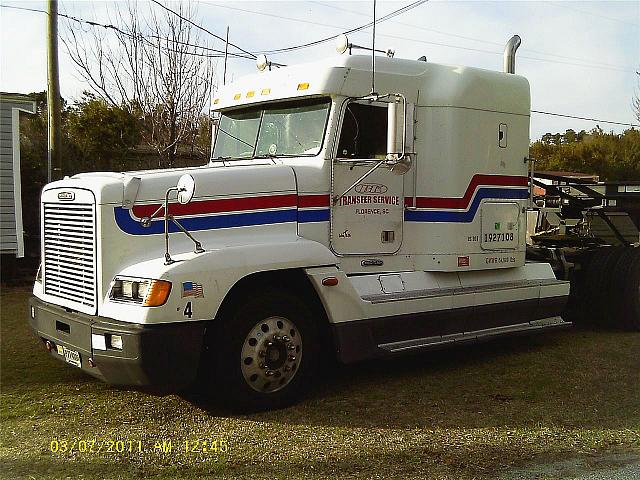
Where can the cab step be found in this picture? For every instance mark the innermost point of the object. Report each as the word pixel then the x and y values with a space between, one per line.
pixel 435 342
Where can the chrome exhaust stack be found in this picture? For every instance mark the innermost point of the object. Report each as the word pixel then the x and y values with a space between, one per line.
pixel 510 54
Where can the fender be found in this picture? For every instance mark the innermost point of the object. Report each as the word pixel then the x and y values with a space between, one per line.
pixel 216 270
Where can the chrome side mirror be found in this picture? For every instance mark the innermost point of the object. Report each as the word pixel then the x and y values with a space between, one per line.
pixel 400 134
pixel 186 189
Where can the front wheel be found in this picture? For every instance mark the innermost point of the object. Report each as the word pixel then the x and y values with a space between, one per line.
pixel 265 352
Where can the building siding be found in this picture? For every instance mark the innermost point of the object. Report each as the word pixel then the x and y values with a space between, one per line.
pixel 11 235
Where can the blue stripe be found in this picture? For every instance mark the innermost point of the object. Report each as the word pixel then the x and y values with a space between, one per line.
pixel 469 215
pixel 306 216
pixel 193 224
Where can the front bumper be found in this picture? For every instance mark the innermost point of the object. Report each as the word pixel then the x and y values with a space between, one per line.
pixel 164 355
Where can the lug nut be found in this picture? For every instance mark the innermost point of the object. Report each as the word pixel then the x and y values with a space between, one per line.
pixel 276 338
pixel 291 346
pixel 262 365
pixel 269 344
pixel 285 338
pixel 278 373
pixel 292 358
pixel 269 373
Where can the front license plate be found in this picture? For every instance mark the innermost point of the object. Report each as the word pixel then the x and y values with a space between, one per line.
pixel 71 356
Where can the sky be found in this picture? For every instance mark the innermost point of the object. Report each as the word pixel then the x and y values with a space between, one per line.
pixel 580 57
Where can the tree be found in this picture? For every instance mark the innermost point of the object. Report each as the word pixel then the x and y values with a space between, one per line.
pixel 147 66
pixel 609 155
pixel 103 134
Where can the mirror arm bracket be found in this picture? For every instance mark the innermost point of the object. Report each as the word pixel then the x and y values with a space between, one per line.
pixel 198 246
pixel 167 216
pixel 167 256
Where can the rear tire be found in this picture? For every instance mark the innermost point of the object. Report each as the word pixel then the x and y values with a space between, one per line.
pixel 585 306
pixel 606 290
pixel 625 290
pixel 264 351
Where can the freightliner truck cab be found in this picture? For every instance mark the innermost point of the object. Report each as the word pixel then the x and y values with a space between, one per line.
pixel 332 222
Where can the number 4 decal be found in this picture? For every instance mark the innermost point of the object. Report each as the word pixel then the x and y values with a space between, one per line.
pixel 188 310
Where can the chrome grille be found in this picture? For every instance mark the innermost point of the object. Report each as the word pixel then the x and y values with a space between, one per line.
pixel 69 252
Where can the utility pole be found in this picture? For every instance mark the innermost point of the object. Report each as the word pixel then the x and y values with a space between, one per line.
pixel 226 56
pixel 54 162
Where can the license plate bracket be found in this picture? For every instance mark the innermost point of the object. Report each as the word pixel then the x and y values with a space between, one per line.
pixel 72 356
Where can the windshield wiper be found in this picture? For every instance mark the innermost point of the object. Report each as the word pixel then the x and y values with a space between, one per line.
pixel 236 138
pixel 265 156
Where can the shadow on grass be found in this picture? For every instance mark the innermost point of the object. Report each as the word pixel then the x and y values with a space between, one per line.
pixel 574 379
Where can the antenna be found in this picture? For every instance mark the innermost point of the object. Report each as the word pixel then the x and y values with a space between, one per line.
pixel 373 52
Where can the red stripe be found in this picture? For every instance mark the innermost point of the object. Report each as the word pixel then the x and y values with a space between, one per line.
pixel 307 201
pixel 461 203
pixel 221 206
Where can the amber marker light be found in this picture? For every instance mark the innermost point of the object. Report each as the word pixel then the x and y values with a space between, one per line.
pixel 157 294
pixel 303 86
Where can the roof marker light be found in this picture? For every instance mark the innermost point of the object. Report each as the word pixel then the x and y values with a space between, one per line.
pixel 265 91
pixel 216 101
pixel 303 86
pixel 251 93
pixel 237 96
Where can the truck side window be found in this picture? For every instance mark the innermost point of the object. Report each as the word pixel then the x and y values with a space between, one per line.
pixel 364 132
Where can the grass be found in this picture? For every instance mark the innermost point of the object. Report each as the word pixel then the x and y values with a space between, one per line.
pixel 473 412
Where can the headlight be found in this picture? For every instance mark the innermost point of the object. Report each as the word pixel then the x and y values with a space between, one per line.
pixel 146 292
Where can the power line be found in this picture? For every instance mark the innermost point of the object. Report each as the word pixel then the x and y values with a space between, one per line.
pixel 202 28
pixel 218 53
pixel 464 37
pixel 593 14
pixel 356 29
pixel 352 30
pixel 585 118
pixel 594 64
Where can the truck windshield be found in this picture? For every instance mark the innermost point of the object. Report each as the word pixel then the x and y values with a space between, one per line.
pixel 279 129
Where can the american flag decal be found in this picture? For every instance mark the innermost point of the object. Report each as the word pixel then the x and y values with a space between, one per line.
pixel 192 289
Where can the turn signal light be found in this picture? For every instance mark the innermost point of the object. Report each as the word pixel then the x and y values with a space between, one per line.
pixel 158 293
pixel 330 281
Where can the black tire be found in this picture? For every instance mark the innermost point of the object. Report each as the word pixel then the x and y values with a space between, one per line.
pixel 625 291
pixel 586 301
pixel 226 378
pixel 575 310
pixel 602 287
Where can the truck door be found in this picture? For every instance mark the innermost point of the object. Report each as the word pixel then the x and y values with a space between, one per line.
pixel 367 210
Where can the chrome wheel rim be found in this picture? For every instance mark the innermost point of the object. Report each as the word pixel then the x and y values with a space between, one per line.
pixel 271 354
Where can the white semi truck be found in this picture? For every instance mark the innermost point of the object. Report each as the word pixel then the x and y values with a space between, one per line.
pixel 332 222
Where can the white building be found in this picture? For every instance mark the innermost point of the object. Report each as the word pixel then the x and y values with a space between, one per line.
pixel 11 234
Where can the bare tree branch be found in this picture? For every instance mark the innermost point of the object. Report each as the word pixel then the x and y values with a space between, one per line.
pixel 149 64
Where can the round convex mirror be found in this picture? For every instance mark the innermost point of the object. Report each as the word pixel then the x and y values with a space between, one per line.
pixel 186 188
